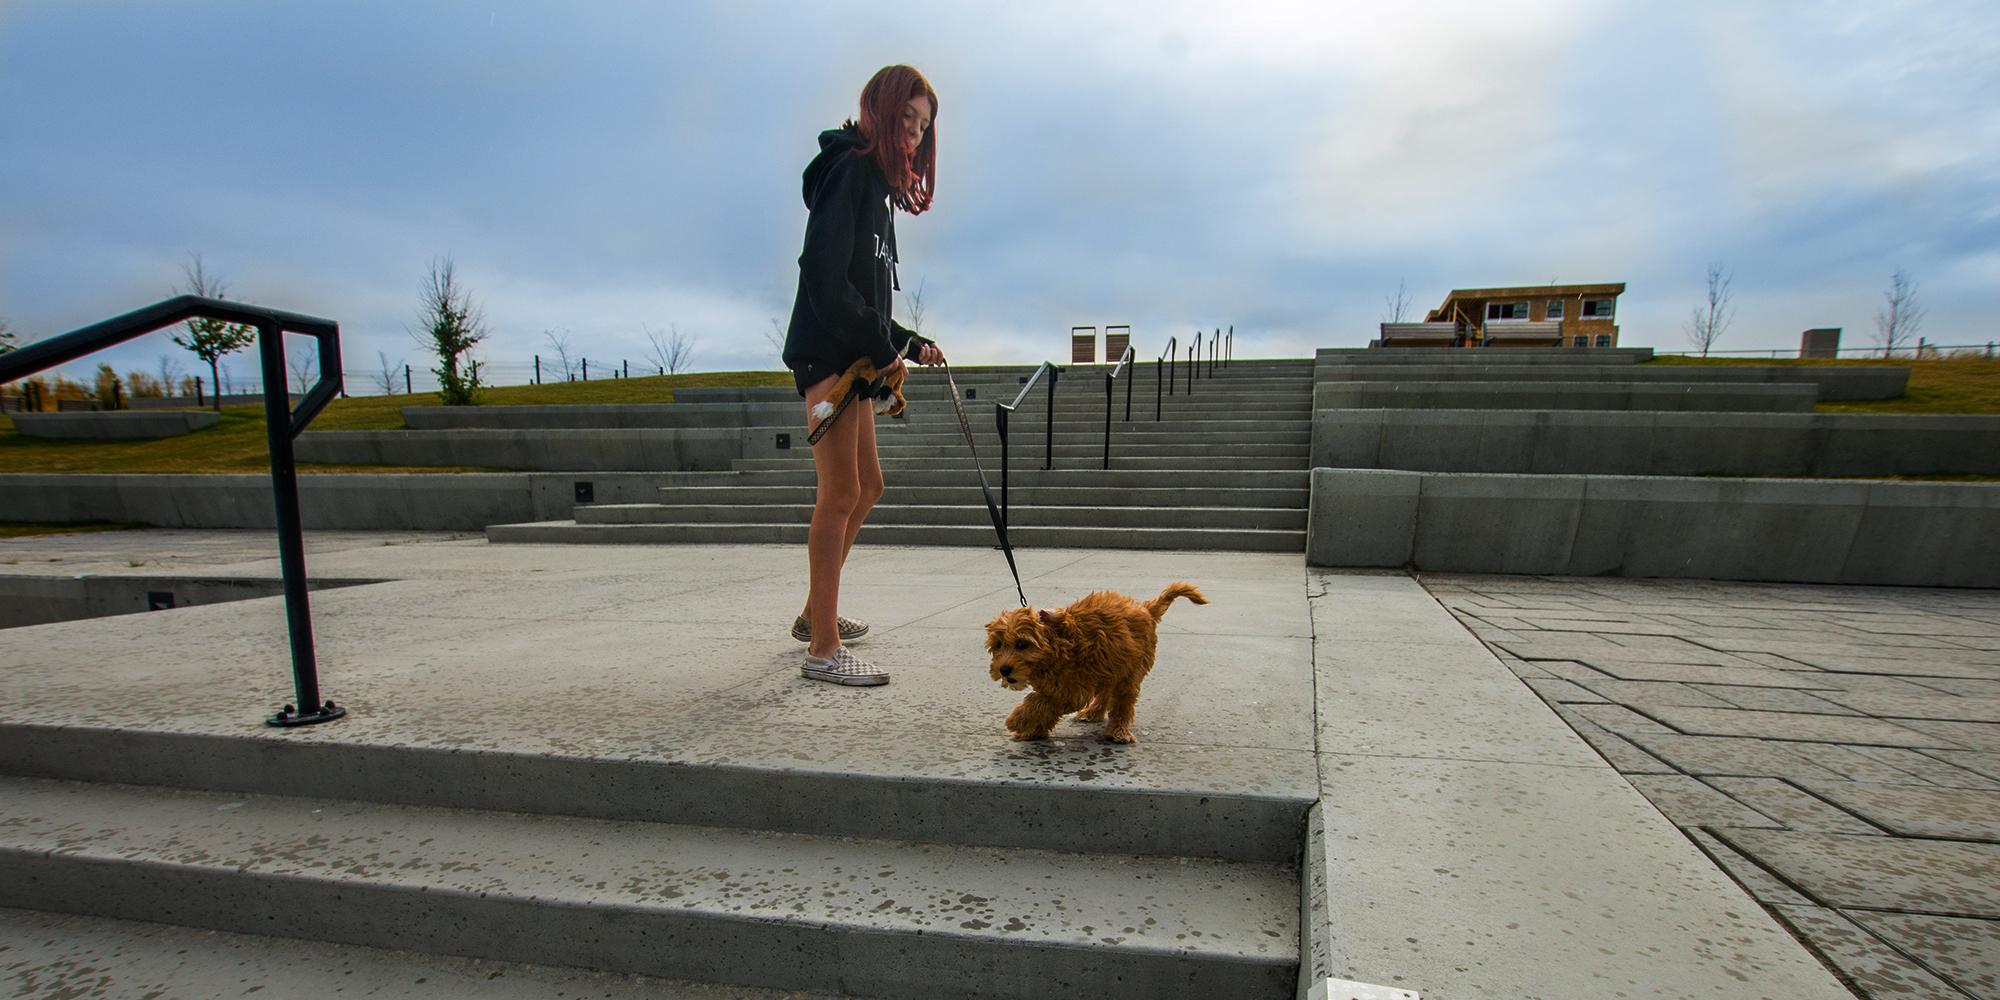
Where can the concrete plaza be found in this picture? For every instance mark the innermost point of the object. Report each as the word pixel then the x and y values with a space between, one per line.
pixel 1503 786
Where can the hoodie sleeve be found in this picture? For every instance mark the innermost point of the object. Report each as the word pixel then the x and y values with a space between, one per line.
pixel 911 340
pixel 829 251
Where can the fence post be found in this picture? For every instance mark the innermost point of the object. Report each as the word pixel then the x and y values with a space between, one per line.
pixel 406 380
pixel 199 398
pixel 538 369
pixel 628 370
pixel 586 369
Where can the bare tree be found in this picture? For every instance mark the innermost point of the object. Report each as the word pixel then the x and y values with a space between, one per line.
pixel 1901 316
pixel 775 336
pixel 559 343
pixel 169 372
pixel 6 337
pixel 304 367
pixel 211 339
pixel 1707 323
pixel 451 326
pixel 917 308
pixel 1398 304
pixel 385 376
pixel 674 353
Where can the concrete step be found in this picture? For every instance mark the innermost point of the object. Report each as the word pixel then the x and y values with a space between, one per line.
pixel 69 955
pixel 1025 455
pixel 1019 515
pixel 1286 432
pixel 1218 539
pixel 964 476
pixel 873 917
pixel 1195 450
pixel 1041 496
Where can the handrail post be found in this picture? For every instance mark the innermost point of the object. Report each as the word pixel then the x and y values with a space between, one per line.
pixel 291 535
pixel 1107 420
pixel 1128 388
pixel 1000 419
pixel 1158 370
pixel 1194 352
pixel 1049 428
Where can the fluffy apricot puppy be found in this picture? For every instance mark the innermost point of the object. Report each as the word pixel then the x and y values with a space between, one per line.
pixel 1088 658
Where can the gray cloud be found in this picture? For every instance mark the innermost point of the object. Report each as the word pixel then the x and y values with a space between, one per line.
pixel 1275 166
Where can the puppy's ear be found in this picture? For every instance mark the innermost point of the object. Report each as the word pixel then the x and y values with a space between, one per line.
pixel 1050 618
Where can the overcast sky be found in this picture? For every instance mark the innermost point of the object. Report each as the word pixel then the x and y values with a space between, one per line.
pixel 603 168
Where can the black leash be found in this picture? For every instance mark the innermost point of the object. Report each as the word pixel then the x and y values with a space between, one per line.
pixel 992 509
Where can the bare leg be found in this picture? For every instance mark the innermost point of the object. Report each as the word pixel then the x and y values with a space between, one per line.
pixel 868 470
pixel 834 502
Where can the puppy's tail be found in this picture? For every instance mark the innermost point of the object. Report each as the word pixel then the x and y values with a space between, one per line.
pixel 1158 605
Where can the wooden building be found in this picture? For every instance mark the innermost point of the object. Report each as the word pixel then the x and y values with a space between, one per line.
pixel 1526 316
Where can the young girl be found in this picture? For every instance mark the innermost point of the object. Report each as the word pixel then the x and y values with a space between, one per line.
pixel 865 170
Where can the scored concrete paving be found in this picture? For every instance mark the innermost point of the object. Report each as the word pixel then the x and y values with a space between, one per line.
pixel 1832 748
pixel 1474 846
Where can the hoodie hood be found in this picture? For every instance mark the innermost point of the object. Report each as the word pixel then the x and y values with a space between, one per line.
pixel 832 143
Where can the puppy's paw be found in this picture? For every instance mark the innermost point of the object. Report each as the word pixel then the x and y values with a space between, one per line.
pixel 822 410
pixel 882 405
pixel 1120 736
pixel 1026 737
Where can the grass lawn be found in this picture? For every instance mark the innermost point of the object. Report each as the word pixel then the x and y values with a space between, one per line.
pixel 1937 385
pixel 237 443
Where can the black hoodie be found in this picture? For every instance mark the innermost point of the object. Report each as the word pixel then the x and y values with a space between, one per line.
pixel 847 270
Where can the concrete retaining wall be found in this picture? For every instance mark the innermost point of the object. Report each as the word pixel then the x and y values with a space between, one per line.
pixel 1835 384
pixel 1476 357
pixel 1656 444
pixel 691 449
pixel 374 501
pixel 37 600
pixel 1516 395
pixel 1795 531
pixel 728 413
pixel 114 425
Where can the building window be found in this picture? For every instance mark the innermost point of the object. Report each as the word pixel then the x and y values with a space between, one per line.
pixel 1555 308
pixel 1597 308
pixel 1604 340
pixel 1506 310
pixel 1580 341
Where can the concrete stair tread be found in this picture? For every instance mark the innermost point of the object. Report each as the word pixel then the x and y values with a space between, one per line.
pixel 981 534
pixel 1014 508
pixel 474 871
pixel 68 954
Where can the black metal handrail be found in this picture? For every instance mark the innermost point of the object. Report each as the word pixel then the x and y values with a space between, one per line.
pixel 1194 361
pixel 1229 348
pixel 1214 348
pixel 1116 370
pixel 282 424
pixel 1168 358
pixel 1002 410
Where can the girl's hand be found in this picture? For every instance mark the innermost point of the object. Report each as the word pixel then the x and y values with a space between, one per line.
pixel 894 364
pixel 929 354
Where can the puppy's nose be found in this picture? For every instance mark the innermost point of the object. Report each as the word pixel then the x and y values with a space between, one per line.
pixel 1006 671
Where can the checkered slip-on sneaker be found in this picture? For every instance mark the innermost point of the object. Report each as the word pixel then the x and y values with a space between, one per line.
pixel 850 629
pixel 843 668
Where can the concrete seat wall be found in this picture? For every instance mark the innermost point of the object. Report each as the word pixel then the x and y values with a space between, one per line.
pixel 1656 443
pixel 114 425
pixel 1526 395
pixel 1834 384
pixel 1795 531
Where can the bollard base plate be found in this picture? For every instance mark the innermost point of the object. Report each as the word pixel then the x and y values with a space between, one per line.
pixel 289 716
